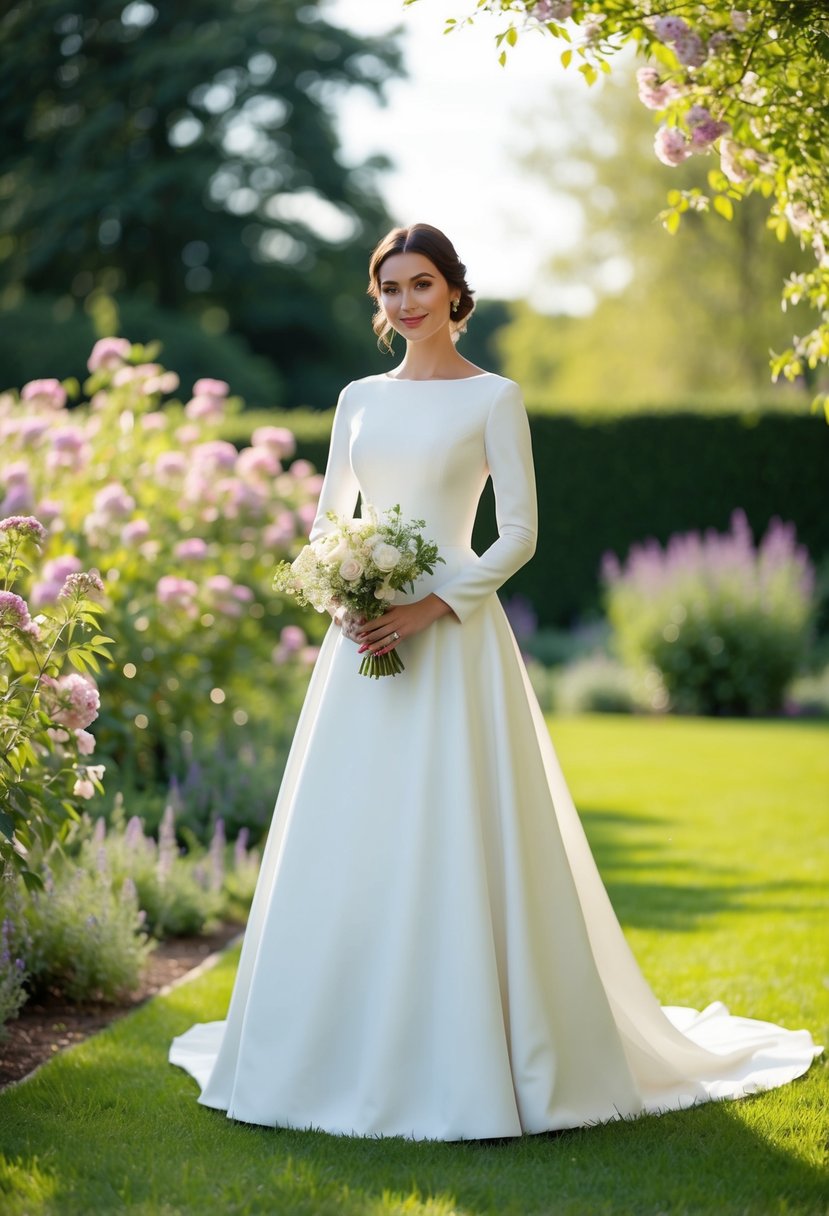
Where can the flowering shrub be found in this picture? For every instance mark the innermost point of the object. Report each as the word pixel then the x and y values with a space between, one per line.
pixel 44 742
pixel 748 84
pixel 185 530
pixel 711 624
pixel 14 943
pixel 593 684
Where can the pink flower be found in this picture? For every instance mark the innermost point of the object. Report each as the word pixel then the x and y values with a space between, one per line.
pixel 140 374
pixel 190 548
pixel 18 498
pixel 154 421
pixel 47 393
pixel 108 352
pixel 14 614
pixel 205 409
pixel 85 742
pixel 671 146
pixel 83 788
pixel 220 583
pixel 654 92
pixel 86 584
pixel 170 466
pixel 215 454
pixel 210 388
pixel 552 10
pixel 113 501
pixel 72 701
pixel 302 468
pixel 16 473
pixel 177 592
pixel 49 510
pixel 277 439
pixel 282 530
pixel 24 525
pixel 165 382
pixel 134 531
pixel 188 434
pixel 292 639
pixel 257 462
pixel 32 429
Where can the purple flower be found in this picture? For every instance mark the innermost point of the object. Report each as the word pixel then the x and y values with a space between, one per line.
pixel 134 531
pixel 552 10
pixel 170 466
pixel 108 353
pixel 113 501
pixel 240 849
pixel 47 393
pixel 167 847
pixel 691 50
pixel 654 92
pixel 86 584
pixel 177 592
pixel 217 856
pixel 705 133
pixel 668 29
pixel 257 462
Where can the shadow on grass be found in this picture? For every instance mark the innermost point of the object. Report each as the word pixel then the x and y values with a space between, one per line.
pixel 625 844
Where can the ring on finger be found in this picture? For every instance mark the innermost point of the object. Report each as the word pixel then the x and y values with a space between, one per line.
pixel 395 637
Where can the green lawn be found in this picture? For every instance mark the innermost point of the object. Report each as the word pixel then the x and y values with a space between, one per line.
pixel 713 840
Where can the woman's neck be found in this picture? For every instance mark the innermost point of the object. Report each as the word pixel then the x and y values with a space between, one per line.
pixel 438 360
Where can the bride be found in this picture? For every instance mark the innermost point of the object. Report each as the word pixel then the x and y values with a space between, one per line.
pixel 431 952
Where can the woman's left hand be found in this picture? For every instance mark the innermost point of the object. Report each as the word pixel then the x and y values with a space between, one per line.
pixel 400 622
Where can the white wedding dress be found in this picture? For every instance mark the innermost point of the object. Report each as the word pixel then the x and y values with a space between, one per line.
pixel 431 952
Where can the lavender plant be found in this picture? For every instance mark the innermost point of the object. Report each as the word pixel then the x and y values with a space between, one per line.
pixel 14 940
pixel 711 624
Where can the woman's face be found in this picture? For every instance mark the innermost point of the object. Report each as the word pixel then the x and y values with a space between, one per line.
pixel 415 296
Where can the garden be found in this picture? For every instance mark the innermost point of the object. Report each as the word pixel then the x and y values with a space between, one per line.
pixel 674 622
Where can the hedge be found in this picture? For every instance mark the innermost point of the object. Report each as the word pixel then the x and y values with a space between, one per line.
pixel 606 482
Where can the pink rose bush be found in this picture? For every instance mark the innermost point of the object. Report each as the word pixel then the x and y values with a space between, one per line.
pixel 47 706
pixel 186 531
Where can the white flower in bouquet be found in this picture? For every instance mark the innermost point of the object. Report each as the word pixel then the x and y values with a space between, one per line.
pixel 361 564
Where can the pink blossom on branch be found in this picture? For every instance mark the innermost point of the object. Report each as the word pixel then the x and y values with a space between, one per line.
pixel 671 146
pixel 72 701
pixel 108 353
pixel 50 394
pixel 654 92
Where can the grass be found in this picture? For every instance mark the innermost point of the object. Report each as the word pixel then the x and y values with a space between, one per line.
pixel 712 837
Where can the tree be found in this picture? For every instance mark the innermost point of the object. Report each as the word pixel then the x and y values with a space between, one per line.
pixel 750 83
pixel 677 321
pixel 187 154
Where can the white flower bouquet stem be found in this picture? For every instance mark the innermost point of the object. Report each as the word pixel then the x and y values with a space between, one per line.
pixel 359 565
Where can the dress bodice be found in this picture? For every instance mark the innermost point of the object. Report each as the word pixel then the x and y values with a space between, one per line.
pixel 430 445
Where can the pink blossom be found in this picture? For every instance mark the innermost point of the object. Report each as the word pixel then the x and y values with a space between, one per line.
pixel 113 501
pixel 205 409
pixel 86 584
pixel 53 576
pixel 24 525
pixel 257 462
pixel 85 742
pixel 278 439
pixel 210 388
pixel 165 382
pixel 187 434
pixel 309 655
pixel 190 548
pixel 302 468
pixel 281 531
pixel 48 393
pixel 654 92
pixel 292 639
pixel 140 374
pixel 170 466
pixel 306 514
pixel 134 531
pixel 313 484
pixel 19 498
pixel 552 10
pixel 108 352
pixel 671 146
pixel 32 429
pixel 242 593
pixel 49 510
pixel 220 583
pixel 668 29
pixel 177 592
pixel 72 701
pixel 83 788
pixel 14 614
pixel 215 454
pixel 16 473
pixel 154 421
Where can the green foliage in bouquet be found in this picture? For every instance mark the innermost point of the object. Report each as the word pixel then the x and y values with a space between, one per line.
pixel 711 624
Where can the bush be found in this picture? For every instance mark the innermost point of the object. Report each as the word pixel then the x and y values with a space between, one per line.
pixel 711 625
pixel 87 936
pixel 186 531
pixel 44 744
pixel 594 684
pixel 14 950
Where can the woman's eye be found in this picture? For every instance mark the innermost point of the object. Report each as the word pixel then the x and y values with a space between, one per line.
pixel 425 283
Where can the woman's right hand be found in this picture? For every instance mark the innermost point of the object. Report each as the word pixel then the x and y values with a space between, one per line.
pixel 349 622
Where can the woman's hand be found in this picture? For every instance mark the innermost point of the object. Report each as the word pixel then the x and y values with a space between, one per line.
pixel 398 623
pixel 349 622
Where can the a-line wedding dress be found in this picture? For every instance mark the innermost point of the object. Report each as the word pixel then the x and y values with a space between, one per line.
pixel 431 952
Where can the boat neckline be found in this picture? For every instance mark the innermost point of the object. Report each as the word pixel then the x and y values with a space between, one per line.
pixel 436 379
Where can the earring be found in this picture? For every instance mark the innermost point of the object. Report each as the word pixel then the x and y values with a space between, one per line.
pixel 455 305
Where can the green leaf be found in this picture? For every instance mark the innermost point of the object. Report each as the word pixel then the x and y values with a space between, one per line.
pixel 589 72
pixel 671 221
pixel 724 206
pixel 512 35
pixel 566 56
pixel 6 825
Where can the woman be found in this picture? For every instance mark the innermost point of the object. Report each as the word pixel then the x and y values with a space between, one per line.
pixel 430 951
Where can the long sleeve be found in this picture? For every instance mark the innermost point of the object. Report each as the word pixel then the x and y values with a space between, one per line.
pixel 509 458
pixel 339 488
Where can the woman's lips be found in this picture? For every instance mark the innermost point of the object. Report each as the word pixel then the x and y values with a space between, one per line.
pixel 411 322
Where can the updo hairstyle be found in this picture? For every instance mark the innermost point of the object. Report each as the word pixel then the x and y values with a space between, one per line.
pixel 434 245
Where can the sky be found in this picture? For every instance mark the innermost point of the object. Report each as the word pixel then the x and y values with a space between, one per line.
pixel 454 130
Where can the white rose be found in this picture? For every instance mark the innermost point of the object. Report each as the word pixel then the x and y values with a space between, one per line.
pixel 351 569
pixel 386 557
pixel 384 592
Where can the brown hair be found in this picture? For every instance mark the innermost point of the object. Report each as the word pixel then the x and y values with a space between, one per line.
pixel 434 245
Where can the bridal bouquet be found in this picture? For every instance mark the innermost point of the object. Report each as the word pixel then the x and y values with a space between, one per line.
pixel 359 565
